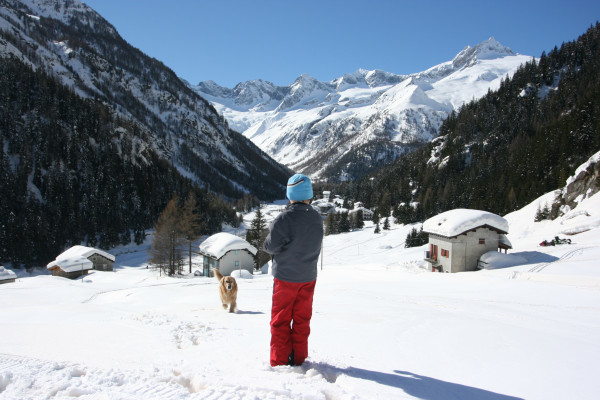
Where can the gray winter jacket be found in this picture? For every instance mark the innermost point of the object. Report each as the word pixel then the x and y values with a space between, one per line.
pixel 295 240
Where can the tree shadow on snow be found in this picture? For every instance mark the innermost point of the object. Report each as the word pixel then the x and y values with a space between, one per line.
pixel 419 386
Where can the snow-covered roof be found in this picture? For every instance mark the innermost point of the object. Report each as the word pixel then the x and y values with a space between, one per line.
pixel 83 251
pixel 456 222
pixel 363 209
pixel 76 258
pixel 504 240
pixel 71 264
pixel 6 274
pixel 219 244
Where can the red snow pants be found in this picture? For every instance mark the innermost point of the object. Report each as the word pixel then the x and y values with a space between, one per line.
pixel 290 321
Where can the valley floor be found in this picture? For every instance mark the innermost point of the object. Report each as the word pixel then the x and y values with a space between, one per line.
pixel 383 327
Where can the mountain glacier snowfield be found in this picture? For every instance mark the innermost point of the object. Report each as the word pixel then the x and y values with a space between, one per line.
pixel 312 126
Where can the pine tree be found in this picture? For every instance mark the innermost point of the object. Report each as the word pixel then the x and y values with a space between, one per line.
pixel 410 237
pixel 347 205
pixel 344 223
pixel 191 224
pixel 330 225
pixel 356 220
pixel 543 213
pixel 376 217
pixel 168 238
pixel 384 206
pixel 416 238
pixel 539 215
pixel 377 228
pixel 386 224
pixel 256 236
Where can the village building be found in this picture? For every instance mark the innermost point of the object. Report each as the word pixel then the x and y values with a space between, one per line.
pixel 367 214
pixel 71 267
pixel 227 253
pixel 323 207
pixel 6 275
pixel 78 260
pixel 458 238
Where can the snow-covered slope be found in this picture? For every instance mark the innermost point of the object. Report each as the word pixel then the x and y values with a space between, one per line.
pixel 73 43
pixel 362 119
pixel 383 327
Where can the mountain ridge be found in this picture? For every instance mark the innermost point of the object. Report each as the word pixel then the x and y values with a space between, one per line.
pixel 502 151
pixel 72 42
pixel 97 137
pixel 321 128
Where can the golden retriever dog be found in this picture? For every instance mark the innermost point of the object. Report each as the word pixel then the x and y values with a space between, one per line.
pixel 227 290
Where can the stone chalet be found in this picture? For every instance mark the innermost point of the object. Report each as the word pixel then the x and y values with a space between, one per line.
pixel 78 260
pixel 458 238
pixel 227 253
pixel 6 275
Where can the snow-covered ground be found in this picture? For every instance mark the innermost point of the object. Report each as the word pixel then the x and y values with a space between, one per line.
pixel 383 327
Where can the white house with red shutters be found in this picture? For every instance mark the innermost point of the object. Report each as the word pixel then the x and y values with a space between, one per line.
pixel 458 238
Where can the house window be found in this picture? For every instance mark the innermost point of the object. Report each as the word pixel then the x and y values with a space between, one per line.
pixel 481 241
pixel 434 249
pixel 237 252
pixel 445 253
pixel 237 263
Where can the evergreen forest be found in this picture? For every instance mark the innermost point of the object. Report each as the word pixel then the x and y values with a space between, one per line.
pixel 503 151
pixel 72 171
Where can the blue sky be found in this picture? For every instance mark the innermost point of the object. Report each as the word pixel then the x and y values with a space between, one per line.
pixel 231 41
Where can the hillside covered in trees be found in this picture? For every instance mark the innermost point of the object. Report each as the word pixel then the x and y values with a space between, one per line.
pixel 72 171
pixel 504 150
pixel 96 137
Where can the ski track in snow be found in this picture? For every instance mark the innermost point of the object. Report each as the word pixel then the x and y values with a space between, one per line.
pixel 568 255
pixel 96 295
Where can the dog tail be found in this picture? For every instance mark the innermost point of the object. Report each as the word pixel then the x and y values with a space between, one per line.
pixel 217 274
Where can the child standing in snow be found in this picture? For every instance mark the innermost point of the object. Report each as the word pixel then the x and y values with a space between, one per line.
pixel 294 240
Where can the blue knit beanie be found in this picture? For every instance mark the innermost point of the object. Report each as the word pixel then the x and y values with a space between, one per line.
pixel 299 188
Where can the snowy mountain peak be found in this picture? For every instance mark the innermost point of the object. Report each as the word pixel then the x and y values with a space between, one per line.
pixel 305 82
pixel 251 93
pixel 253 85
pixel 486 50
pixel 378 78
pixel 68 11
pixel 214 89
pixel 367 116
pixel 356 78
pixel 305 92
pixel 367 79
